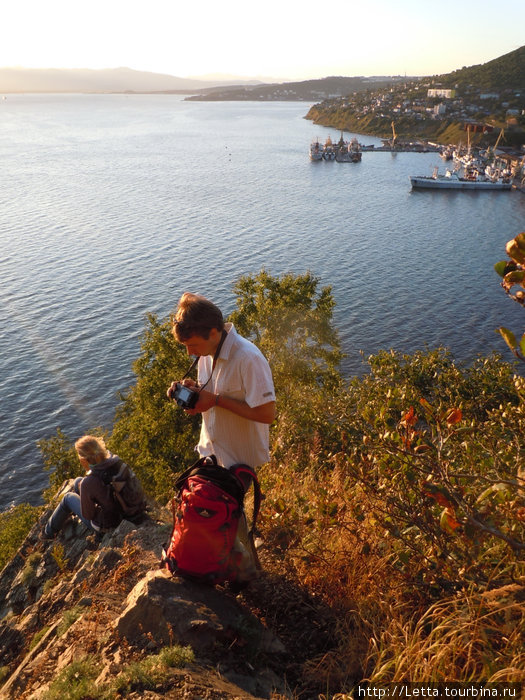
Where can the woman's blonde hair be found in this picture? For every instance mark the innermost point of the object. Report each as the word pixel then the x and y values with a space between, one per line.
pixel 92 448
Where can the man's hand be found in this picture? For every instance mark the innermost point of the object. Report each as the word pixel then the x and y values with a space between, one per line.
pixel 260 414
pixel 205 401
pixel 185 382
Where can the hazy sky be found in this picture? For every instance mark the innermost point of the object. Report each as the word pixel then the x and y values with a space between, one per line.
pixel 282 39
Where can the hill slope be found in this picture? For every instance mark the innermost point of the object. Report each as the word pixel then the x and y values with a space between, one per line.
pixel 505 72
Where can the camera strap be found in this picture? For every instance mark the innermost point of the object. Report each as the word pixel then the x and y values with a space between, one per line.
pixel 215 358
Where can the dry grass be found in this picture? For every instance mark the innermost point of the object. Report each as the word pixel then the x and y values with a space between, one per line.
pixel 384 631
pixel 468 638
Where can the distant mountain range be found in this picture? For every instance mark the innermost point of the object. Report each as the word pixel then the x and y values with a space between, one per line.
pixel 126 80
pixel 506 71
pixel 107 80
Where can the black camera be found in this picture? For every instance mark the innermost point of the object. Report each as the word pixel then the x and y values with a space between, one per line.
pixel 184 396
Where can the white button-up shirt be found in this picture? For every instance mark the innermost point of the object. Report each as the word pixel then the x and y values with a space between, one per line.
pixel 243 373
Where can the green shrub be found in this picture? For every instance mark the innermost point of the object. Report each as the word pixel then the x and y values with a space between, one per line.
pixel 69 617
pixel 37 637
pixel 440 458
pixel 435 451
pixel 152 434
pixel 291 320
pixel 152 671
pixel 15 524
pixel 75 682
pixel 29 570
pixel 176 656
pixel 60 460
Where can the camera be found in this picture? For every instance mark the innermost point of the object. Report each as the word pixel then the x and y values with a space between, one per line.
pixel 184 396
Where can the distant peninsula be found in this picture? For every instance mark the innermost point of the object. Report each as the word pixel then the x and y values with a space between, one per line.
pixel 300 91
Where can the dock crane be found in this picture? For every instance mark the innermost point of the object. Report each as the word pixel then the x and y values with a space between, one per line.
pixel 501 134
pixel 491 150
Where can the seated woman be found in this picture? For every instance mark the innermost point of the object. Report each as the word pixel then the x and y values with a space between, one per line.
pixel 91 499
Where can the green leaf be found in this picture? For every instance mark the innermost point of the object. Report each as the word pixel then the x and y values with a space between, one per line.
pixel 508 337
pixel 486 493
pixel 500 267
pixel 404 556
pixel 522 344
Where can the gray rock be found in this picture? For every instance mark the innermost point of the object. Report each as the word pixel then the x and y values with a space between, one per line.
pixel 173 609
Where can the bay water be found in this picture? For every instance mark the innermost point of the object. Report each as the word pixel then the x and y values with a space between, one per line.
pixel 111 206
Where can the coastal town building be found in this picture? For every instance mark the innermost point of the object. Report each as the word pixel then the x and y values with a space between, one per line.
pixel 438 92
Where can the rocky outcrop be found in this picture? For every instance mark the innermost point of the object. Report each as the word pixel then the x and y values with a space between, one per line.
pixel 108 603
pixel 192 614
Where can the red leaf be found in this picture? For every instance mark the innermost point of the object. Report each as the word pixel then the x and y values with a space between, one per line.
pixel 410 417
pixel 454 416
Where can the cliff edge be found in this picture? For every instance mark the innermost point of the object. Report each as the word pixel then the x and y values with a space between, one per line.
pixel 110 616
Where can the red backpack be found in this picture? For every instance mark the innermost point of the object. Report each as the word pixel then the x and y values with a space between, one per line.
pixel 206 512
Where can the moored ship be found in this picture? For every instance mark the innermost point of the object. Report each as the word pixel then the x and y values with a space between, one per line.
pixel 452 181
pixel 343 151
pixel 316 150
pixel 348 152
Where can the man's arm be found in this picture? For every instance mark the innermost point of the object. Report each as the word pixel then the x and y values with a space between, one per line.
pixel 265 413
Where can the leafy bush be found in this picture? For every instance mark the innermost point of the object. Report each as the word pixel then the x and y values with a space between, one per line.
pixel 291 320
pixel 434 452
pixel 152 434
pixel 512 271
pixel 60 460
pixel 440 459
pixel 15 524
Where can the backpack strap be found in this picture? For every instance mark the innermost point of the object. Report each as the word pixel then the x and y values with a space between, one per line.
pixel 110 473
pixel 246 475
pixel 191 471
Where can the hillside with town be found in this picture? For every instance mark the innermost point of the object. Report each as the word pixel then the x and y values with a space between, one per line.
pixel 483 99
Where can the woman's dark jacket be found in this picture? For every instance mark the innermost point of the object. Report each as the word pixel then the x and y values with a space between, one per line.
pixel 96 498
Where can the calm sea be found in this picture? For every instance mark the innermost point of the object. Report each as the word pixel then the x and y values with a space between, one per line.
pixel 111 206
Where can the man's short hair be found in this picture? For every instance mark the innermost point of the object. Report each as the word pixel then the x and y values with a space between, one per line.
pixel 196 315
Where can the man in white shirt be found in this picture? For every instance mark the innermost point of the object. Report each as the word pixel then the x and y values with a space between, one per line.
pixel 236 393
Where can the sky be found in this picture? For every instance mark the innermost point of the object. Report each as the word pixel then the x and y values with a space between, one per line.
pixel 277 39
